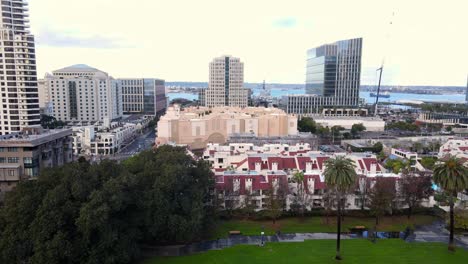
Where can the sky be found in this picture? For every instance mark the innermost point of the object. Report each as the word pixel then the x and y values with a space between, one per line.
pixel 420 42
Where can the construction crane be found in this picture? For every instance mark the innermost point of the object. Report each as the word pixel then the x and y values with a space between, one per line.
pixel 378 91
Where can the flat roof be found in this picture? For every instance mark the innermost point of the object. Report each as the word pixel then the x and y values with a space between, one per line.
pixel 32 140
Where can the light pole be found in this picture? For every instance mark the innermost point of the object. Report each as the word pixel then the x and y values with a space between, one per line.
pixel 262 233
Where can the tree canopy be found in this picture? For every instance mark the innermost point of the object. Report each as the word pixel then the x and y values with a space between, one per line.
pixel 103 213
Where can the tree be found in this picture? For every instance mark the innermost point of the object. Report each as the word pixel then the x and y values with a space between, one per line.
pixel 396 165
pixel 414 189
pixel 51 122
pixel 428 162
pixel 377 148
pixel 276 201
pixel 357 128
pixel 301 197
pixel 452 176
pixel 340 175
pixel 381 197
pixel 307 124
pixel 102 213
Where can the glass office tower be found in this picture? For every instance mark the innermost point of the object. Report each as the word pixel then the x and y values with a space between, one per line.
pixel 334 70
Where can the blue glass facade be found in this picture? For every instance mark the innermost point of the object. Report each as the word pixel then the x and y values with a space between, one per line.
pixel 333 70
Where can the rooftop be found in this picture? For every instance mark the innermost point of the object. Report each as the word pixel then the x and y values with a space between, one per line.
pixel 34 139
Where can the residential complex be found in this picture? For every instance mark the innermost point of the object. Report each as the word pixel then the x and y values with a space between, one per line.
pixel 333 77
pixel 83 94
pixel 91 140
pixel 198 126
pixel 143 96
pixel 19 95
pixel 226 84
pixel 23 155
pixel 457 147
pixel 248 173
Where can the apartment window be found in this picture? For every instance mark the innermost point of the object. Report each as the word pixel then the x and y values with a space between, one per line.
pixel 13 160
pixel 2 160
pixel 11 172
pixel 12 149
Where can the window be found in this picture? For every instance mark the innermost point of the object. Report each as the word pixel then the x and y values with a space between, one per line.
pixel 11 172
pixel 12 149
pixel 13 160
pixel 2 160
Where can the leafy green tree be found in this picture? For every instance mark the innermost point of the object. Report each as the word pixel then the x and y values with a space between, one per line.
pixel 452 176
pixel 357 128
pixel 51 122
pixel 340 175
pixel 307 124
pixel 101 213
pixel 301 197
pixel 428 162
pixel 377 148
pixel 396 165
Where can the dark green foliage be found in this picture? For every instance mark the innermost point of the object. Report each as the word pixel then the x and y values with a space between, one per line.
pixel 51 122
pixel 307 124
pixel 377 148
pixel 83 213
pixel 357 128
pixel 403 126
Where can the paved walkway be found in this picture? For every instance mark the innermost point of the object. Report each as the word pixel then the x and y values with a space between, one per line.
pixel 436 232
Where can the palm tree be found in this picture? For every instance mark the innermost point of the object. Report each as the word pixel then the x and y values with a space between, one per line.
pixel 340 174
pixel 452 176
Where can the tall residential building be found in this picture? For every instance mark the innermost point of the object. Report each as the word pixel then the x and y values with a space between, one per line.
pixel 84 94
pixel 333 75
pixel 19 106
pixel 226 84
pixel 143 96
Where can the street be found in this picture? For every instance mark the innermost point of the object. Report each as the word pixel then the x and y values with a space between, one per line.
pixel 142 142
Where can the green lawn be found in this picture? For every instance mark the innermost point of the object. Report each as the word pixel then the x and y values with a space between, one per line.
pixel 357 251
pixel 316 224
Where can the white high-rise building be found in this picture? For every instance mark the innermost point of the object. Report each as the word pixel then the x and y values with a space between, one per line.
pixel 19 105
pixel 80 93
pixel 226 84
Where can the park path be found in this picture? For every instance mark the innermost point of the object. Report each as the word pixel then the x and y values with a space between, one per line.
pixel 436 232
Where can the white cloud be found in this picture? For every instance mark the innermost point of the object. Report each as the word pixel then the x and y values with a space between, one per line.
pixel 175 39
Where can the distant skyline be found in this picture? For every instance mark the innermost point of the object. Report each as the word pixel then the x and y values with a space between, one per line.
pixel 422 42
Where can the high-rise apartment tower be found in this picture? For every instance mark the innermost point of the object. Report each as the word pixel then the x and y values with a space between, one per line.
pixel 226 84
pixel 19 106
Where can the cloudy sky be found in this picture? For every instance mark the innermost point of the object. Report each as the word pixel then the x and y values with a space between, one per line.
pixel 422 42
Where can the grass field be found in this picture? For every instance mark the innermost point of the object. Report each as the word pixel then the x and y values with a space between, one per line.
pixel 316 224
pixel 357 251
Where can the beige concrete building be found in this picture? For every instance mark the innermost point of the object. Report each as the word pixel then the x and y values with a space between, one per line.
pixel 226 84
pixel 23 155
pixel 197 126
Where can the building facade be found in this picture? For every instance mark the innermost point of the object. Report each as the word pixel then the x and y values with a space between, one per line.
pixel 143 96
pixel 80 93
pixel 333 75
pixel 245 173
pixel 92 141
pixel 226 84
pixel 197 126
pixel 23 155
pixel 18 76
